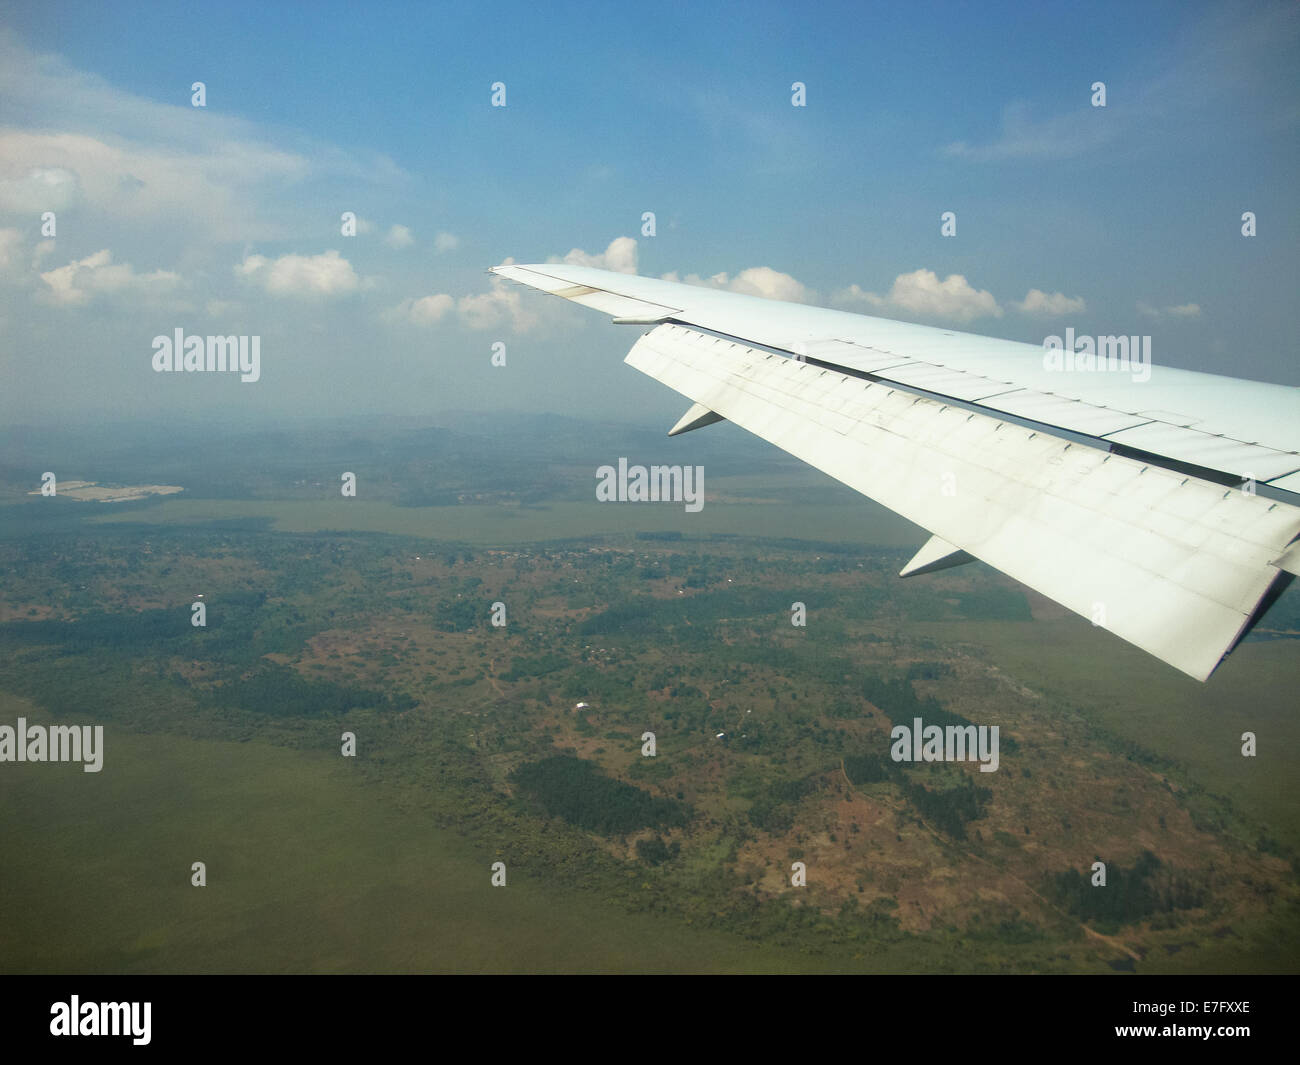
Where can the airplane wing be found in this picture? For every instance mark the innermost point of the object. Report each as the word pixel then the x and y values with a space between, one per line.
pixel 1165 510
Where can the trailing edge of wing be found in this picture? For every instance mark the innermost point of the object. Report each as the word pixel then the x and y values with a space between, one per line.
pixel 1170 563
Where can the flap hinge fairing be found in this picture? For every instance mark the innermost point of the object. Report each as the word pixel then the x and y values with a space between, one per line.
pixel 937 554
pixel 696 418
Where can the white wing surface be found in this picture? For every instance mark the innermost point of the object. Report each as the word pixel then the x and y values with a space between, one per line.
pixel 1163 510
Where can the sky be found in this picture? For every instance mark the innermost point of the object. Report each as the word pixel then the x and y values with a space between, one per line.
pixel 227 219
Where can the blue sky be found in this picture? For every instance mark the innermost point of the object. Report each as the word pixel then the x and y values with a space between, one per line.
pixel 225 219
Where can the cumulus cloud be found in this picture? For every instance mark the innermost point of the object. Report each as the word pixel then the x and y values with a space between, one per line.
pixel 426 310
pixel 753 281
pixel 399 237
pixel 445 242
pixel 922 293
pixel 768 283
pixel 857 294
pixel 327 274
pixel 620 256
pixel 954 297
pixel 500 307
pixel 1045 304
pixel 1181 310
pixel 82 280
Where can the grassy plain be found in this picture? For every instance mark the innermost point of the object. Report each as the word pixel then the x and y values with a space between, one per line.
pixel 487 525
pixel 309 870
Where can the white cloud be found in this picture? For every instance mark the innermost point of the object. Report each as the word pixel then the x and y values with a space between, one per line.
pixel 753 281
pixel 499 306
pixel 954 297
pixel 620 257
pixel 327 274
pixel 445 242
pixel 209 191
pixel 423 311
pixel 399 237
pixel 18 264
pixel 922 293
pixel 81 141
pixel 97 275
pixel 40 189
pixel 1053 304
pixel 1181 310
pixel 855 293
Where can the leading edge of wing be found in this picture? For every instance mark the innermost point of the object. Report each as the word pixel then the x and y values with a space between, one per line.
pixel 1201 422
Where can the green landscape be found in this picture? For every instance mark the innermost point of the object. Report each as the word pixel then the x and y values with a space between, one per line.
pixel 499 647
